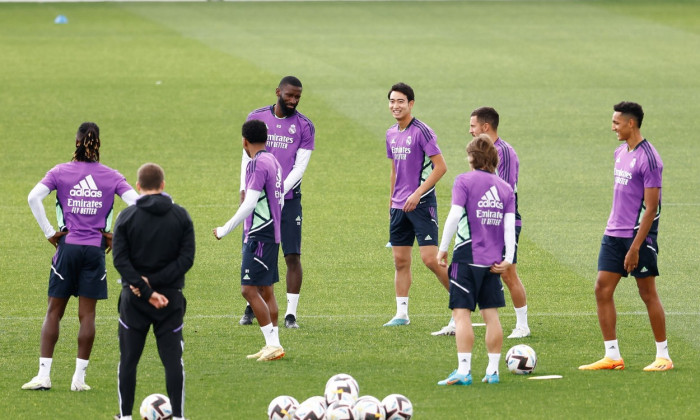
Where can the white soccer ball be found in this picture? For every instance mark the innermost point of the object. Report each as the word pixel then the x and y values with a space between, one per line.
pixel 397 407
pixel 521 359
pixel 369 408
pixel 344 377
pixel 313 408
pixel 156 407
pixel 340 410
pixel 341 390
pixel 282 408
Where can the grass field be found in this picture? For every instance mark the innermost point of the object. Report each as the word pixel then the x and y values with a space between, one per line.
pixel 172 83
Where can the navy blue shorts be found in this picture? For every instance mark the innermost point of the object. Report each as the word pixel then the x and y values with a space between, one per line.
pixel 420 224
pixel 259 264
pixel 613 251
pixel 78 270
pixel 472 285
pixel 291 226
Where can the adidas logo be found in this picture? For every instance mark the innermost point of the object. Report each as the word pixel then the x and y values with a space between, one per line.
pixel 86 188
pixel 491 199
pixel 643 270
pixel 428 238
pixel 246 277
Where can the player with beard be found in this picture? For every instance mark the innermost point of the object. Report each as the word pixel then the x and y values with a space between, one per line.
pixel 290 138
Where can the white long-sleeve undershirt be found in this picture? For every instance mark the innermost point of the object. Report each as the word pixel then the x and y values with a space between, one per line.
pixel 41 191
pixel 301 161
pixel 452 224
pixel 245 209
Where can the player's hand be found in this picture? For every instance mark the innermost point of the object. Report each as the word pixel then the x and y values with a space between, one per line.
pixel 54 239
pixel 442 258
pixel 214 232
pixel 135 290
pixel 158 301
pixel 108 238
pixel 500 267
pixel 631 260
pixel 411 202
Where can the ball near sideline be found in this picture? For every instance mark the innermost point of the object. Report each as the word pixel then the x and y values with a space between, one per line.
pixel 521 359
pixel 156 407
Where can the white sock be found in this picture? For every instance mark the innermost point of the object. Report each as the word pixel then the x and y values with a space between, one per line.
pixel 292 302
pixel 80 367
pixel 125 418
pixel 275 339
pixel 45 367
pixel 494 359
pixel 612 350
pixel 268 331
pixel 465 363
pixel 452 322
pixel 178 418
pixel 521 317
pixel 402 307
pixel 662 349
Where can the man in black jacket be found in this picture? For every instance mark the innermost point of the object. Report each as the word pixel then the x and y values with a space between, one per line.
pixel 153 247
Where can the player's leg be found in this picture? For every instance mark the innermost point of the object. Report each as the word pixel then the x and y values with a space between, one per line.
pixel 170 346
pixel 402 284
pixel 131 343
pixel 49 337
pixel 494 343
pixel 257 304
pixel 517 293
pixel 86 338
pixel 657 318
pixel 462 304
pixel 428 254
pixel 291 223
pixel 273 349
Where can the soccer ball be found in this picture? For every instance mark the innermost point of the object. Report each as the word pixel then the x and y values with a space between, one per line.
pixel 397 407
pixel 341 390
pixel 344 377
pixel 340 410
pixel 282 408
pixel 156 407
pixel 521 359
pixel 313 408
pixel 369 408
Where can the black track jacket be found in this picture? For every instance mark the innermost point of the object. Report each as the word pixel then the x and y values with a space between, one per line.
pixel 153 238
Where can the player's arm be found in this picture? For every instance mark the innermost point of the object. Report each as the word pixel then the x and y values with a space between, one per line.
pixel 130 197
pixel 651 200
pixel 439 169
pixel 393 181
pixel 245 159
pixel 122 261
pixel 448 231
pixel 301 161
pixel 184 260
pixel 509 238
pixel 245 209
pixel 35 200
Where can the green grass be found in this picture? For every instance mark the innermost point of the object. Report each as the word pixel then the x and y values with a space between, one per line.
pixel 552 69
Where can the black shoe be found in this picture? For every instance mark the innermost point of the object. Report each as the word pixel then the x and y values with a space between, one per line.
pixel 248 316
pixel 290 321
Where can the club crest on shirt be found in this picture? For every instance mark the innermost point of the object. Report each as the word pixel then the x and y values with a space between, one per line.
pixel 292 129
pixel 408 140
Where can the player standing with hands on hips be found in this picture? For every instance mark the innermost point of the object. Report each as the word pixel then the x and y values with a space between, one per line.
pixel 85 191
pixel 290 139
pixel 417 165
pixel 154 247
pixel 262 213
pixel 483 217
pixel 629 244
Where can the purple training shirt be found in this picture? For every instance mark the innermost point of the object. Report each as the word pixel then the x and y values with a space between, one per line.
pixel 84 198
pixel 486 199
pixel 634 171
pixel 508 170
pixel 410 149
pixel 284 137
pixel 264 174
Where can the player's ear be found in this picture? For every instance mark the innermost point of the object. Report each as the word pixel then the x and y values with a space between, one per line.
pixel 138 187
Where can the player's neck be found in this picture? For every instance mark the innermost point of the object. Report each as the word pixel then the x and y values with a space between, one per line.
pixel 404 122
pixel 255 148
pixel 634 141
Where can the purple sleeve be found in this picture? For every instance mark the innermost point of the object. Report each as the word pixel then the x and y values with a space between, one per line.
pixel 308 136
pixel 388 149
pixel 122 185
pixel 459 193
pixel 510 203
pixel 50 180
pixel 430 146
pixel 652 177
pixel 256 181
